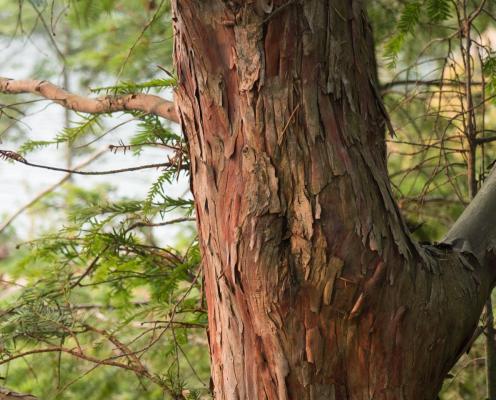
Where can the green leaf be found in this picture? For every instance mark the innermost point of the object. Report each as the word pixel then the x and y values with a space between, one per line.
pixel 438 10
pixel 409 17
pixel 408 20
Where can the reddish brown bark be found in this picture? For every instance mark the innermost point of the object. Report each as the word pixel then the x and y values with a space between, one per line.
pixel 315 289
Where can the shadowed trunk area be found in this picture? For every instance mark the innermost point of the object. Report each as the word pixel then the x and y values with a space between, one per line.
pixel 315 289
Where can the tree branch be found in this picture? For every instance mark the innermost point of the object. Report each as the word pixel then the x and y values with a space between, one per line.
pixel 152 225
pixel 49 190
pixel 485 139
pixel 11 155
pixel 420 82
pixel 110 361
pixel 148 103
pixel 475 231
pixel 6 394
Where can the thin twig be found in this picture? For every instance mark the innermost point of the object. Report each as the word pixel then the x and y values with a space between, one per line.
pixel 10 155
pixel 49 190
pixel 153 225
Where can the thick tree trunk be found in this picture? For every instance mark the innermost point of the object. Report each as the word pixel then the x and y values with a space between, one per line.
pixel 315 289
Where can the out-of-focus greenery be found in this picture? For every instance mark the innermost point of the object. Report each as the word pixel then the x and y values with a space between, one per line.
pixel 101 284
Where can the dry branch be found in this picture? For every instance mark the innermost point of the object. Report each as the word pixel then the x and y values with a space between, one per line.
pixel 49 190
pixel 13 156
pixel 6 394
pixel 147 103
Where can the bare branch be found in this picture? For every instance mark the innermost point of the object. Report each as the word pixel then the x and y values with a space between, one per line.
pixel 49 190
pixel 11 155
pixel 110 361
pixel 6 394
pixel 152 225
pixel 485 140
pixel 147 103
pixel 431 82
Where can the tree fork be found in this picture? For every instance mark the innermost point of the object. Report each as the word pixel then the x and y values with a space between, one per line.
pixel 315 288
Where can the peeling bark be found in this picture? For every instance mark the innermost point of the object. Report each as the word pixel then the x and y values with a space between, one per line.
pixel 315 288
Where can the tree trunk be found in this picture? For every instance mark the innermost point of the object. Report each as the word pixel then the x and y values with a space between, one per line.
pixel 315 289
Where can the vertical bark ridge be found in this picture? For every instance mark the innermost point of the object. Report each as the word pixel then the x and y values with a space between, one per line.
pixel 313 284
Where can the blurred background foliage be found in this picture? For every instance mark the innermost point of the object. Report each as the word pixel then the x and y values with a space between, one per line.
pixel 100 303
